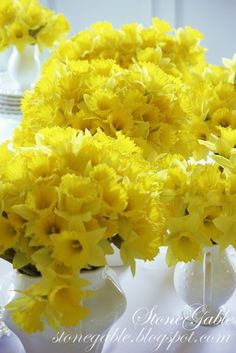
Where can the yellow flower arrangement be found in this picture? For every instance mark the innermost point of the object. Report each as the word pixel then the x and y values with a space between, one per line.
pixel 210 103
pixel 142 102
pixel 199 196
pixel 63 202
pixel 145 82
pixel 25 22
pixel 128 113
pixel 174 51
pixel 196 197
pixel 129 79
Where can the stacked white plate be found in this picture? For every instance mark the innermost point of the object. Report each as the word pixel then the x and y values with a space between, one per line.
pixel 10 96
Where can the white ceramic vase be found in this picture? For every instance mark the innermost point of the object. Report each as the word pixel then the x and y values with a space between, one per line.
pixel 24 67
pixel 206 287
pixel 115 260
pixel 106 307
pixel 4 58
pixel 9 342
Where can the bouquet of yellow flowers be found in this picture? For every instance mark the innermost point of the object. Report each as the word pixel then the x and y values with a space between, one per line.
pixel 25 22
pixel 199 199
pixel 150 87
pixel 199 195
pixel 172 50
pixel 196 197
pixel 142 102
pixel 148 84
pixel 128 113
pixel 130 79
pixel 63 202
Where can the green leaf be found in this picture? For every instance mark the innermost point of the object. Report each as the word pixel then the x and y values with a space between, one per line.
pixel 20 260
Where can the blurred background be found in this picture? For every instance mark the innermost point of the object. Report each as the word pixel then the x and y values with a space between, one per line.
pixel 215 18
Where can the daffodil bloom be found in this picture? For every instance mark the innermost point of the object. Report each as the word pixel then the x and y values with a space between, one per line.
pixel 9 236
pixel 231 65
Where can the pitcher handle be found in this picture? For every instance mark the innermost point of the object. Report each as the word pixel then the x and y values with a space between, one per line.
pixel 207 280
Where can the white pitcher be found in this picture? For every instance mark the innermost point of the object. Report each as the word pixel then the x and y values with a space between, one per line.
pixel 24 67
pixel 106 307
pixel 206 287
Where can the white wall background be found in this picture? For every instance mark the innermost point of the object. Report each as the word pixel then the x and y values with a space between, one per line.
pixel 82 13
pixel 216 19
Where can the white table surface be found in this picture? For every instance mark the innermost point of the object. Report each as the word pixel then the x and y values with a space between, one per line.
pixel 8 123
pixel 153 287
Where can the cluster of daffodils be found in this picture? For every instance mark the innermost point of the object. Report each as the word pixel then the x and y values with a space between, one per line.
pixel 63 202
pixel 174 51
pixel 129 80
pixel 142 102
pixel 200 199
pixel 25 22
pixel 109 151
pixel 210 104
pixel 155 87
pixel 196 197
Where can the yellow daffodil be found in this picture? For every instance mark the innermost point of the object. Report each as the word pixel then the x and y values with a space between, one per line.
pixel 27 22
pixel 66 300
pixel 9 236
pixel 42 229
pixel 184 240
pixel 78 249
pixel 32 309
pixel 231 65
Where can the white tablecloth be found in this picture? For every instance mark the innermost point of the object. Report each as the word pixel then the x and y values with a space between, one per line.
pixel 152 287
